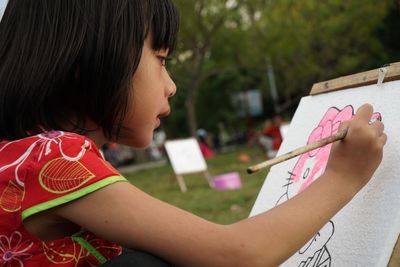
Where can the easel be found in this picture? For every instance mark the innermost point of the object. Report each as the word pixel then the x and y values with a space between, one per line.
pixel 181 181
pixel 389 72
pixel 186 158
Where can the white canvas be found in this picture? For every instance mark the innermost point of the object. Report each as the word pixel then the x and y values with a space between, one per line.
pixel 364 232
pixel 185 156
pixel 3 5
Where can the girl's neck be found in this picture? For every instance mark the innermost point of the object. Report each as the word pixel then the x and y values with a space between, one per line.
pixel 95 133
pixel 97 137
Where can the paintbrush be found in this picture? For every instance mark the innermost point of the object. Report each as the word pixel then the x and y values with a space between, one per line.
pixel 301 150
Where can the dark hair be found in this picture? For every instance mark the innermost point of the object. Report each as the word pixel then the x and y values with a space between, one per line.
pixel 65 61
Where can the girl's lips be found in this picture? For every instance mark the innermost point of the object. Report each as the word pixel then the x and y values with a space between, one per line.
pixel 161 115
pixel 164 113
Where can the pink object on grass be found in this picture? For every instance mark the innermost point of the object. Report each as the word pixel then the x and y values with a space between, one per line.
pixel 227 181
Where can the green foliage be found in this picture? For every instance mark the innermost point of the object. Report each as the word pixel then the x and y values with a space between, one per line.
pixel 387 33
pixel 225 44
pixel 311 40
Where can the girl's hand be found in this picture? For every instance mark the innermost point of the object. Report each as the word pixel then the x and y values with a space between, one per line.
pixel 355 159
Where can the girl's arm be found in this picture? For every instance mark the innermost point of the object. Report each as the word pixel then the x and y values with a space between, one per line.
pixel 123 214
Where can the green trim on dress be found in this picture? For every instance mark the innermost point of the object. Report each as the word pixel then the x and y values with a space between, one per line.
pixel 92 250
pixel 74 195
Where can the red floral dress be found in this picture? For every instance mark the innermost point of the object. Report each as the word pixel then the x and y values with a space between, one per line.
pixel 41 172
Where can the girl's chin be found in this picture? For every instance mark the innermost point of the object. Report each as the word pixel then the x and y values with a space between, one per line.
pixel 158 123
pixel 137 142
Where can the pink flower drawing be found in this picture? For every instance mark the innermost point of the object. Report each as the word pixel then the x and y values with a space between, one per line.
pixel 307 169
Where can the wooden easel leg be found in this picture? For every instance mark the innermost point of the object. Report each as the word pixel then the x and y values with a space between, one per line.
pixel 395 258
pixel 208 178
pixel 181 183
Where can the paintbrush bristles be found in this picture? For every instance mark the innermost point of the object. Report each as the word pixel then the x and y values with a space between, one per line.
pixel 323 142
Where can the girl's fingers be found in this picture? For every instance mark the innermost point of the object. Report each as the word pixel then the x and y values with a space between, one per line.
pixel 378 126
pixel 343 125
pixel 382 139
pixel 364 113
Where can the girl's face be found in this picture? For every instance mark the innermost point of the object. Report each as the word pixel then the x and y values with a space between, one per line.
pixel 151 88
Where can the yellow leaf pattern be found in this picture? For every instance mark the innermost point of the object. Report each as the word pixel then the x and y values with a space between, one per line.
pixel 11 197
pixel 60 175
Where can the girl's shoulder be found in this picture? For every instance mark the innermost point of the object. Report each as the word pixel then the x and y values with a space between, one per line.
pixel 55 165
pixel 52 155
pixel 53 136
pixel 48 144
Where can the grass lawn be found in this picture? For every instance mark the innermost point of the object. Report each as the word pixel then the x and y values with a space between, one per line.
pixel 217 206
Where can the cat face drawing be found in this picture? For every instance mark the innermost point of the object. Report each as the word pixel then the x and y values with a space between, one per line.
pixel 307 169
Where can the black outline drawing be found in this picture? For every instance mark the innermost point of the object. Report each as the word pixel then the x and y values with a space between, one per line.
pixel 315 252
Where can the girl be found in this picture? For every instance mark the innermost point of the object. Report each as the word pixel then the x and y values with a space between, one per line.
pixel 75 74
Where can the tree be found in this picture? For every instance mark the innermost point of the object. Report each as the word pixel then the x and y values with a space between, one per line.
pixel 202 21
pixel 224 47
pixel 311 40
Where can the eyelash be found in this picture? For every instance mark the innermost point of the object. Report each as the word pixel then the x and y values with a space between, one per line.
pixel 163 60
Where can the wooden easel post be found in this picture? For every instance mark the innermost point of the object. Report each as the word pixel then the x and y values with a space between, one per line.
pixel 357 80
pixel 186 157
pixel 181 183
pixel 208 178
pixel 395 255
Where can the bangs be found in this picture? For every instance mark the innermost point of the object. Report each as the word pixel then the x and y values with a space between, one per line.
pixel 163 23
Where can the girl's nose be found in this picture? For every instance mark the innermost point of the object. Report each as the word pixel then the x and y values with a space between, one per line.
pixel 171 87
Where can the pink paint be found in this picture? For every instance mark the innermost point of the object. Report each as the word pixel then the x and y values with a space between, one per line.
pixel 313 164
pixel 308 167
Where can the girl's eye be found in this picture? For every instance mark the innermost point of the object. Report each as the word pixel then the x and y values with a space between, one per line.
pixel 162 59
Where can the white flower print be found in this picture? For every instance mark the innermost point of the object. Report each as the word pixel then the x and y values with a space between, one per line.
pixel 42 146
pixel 13 251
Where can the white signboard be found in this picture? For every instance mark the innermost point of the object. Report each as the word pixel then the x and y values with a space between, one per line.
pixel 364 232
pixel 185 156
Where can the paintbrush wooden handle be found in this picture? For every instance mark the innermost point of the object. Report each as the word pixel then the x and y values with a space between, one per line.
pixel 301 150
